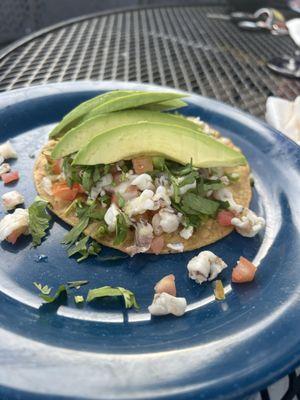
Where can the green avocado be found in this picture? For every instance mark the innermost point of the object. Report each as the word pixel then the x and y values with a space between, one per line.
pixel 109 102
pixel 81 135
pixel 164 105
pixel 156 139
pixel 78 112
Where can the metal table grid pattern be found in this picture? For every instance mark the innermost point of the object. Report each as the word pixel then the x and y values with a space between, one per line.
pixel 180 47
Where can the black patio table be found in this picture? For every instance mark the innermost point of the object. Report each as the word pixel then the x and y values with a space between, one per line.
pixel 192 48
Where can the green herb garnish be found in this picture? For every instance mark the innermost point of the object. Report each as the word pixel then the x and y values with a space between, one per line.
pixel 46 296
pixel 72 236
pixel 84 249
pixel 193 204
pixel 43 289
pixel 121 229
pixel 76 284
pixel 108 291
pixel 38 220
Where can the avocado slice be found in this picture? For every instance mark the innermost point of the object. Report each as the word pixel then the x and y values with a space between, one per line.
pixel 78 112
pixel 75 139
pixel 155 139
pixel 109 102
pixel 165 105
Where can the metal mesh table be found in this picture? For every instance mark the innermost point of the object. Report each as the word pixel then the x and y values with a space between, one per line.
pixel 181 47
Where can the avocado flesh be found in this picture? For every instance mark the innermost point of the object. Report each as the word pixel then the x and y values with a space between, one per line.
pixel 164 105
pixel 109 102
pixel 78 137
pixel 133 100
pixel 155 139
pixel 75 115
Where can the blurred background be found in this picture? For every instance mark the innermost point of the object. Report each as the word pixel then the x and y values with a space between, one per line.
pixel 22 17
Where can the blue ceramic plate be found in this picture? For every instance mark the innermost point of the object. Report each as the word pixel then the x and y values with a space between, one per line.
pixel 217 350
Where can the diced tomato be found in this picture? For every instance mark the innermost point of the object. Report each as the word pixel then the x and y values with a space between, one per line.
pixel 62 191
pixel 157 244
pixel 10 177
pixel 142 165
pixel 78 187
pixel 12 238
pixel 244 271
pixel 56 168
pixel 166 285
pixel 224 217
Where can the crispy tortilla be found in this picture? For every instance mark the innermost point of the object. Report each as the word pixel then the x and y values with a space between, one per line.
pixel 208 233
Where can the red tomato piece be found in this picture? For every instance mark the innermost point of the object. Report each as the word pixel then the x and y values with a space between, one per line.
pixel 78 187
pixel 157 244
pixel 142 165
pixel 56 169
pixel 244 271
pixel 62 191
pixel 12 238
pixel 10 176
pixel 224 217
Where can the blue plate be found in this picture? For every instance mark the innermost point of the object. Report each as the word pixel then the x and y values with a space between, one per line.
pixel 217 350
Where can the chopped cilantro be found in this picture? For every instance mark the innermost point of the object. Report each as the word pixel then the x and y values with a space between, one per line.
pixel 72 236
pixel 38 220
pixel 84 249
pixel 108 291
pixel 46 296
pixel 121 229
pixel 193 204
pixel 76 284
pixel 43 289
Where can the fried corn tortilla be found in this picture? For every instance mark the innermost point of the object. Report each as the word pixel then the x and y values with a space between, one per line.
pixel 209 232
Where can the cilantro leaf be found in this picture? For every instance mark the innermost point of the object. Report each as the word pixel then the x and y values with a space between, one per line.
pixel 213 185
pixel 108 291
pixel 121 229
pixel 38 220
pixel 78 246
pixel 188 179
pixel 75 232
pixel 46 296
pixel 194 204
pixel 43 289
pixel 178 169
pixel 76 284
pixel 84 249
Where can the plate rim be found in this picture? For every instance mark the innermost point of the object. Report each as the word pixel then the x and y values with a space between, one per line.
pixel 86 85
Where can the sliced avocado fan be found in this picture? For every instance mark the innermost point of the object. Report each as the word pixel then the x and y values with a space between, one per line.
pixel 156 139
pixel 76 138
pixel 110 102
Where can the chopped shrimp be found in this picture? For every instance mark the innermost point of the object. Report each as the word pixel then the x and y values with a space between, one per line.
pixel 166 285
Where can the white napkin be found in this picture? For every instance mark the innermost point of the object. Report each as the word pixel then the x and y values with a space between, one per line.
pixel 284 115
pixel 294 30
